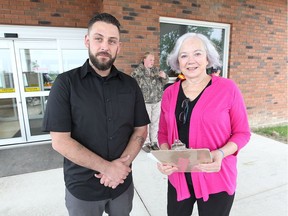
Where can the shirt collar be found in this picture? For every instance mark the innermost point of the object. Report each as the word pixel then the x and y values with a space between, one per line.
pixel 87 69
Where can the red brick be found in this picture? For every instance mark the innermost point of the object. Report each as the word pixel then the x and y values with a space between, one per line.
pixel 247 29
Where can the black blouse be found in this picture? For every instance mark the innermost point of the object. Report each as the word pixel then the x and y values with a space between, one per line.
pixel 183 128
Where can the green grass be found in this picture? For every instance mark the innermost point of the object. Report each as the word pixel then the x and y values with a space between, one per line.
pixel 279 133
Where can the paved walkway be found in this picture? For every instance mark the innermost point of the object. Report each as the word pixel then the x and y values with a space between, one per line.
pixel 262 186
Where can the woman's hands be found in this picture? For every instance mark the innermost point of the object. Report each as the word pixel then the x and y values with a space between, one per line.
pixel 215 166
pixel 166 169
pixel 217 156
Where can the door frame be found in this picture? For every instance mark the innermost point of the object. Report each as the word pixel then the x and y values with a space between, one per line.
pixel 37 45
pixel 63 38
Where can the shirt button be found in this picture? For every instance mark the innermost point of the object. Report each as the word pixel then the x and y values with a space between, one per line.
pixel 110 138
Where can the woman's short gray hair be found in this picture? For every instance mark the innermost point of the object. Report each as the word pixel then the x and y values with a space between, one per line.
pixel 212 54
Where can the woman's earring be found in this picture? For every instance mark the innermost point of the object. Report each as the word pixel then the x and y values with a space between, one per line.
pixel 181 76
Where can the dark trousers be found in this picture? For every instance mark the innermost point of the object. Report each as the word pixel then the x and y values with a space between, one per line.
pixel 218 204
pixel 120 206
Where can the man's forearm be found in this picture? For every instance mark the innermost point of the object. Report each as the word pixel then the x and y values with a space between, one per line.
pixel 77 153
pixel 133 147
pixel 135 143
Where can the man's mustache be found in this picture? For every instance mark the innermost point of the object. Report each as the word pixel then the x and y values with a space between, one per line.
pixel 104 54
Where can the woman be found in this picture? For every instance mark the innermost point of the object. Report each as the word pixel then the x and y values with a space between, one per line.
pixel 203 111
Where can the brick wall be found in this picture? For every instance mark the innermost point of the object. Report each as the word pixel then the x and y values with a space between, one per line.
pixel 258 44
pixel 258 39
pixel 68 13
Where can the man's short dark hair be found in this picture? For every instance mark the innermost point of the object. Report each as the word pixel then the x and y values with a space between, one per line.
pixel 104 17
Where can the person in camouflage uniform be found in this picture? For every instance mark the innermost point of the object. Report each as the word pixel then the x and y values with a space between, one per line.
pixel 151 81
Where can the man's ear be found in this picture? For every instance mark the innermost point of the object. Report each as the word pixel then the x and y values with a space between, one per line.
pixel 119 48
pixel 86 40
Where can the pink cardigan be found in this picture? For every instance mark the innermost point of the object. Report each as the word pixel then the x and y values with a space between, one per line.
pixel 218 117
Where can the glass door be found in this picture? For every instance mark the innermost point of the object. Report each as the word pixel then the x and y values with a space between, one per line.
pixel 28 69
pixel 27 72
pixel 11 121
pixel 37 67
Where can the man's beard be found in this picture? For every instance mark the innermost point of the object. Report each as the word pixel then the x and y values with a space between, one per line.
pixel 102 66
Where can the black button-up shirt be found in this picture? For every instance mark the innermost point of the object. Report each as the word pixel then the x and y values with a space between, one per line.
pixel 101 113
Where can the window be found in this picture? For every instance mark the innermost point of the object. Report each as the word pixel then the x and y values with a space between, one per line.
pixel 171 29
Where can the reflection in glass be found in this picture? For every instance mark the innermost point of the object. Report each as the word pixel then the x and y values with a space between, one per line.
pixel 9 121
pixel 73 58
pixel 36 108
pixel 40 69
pixel 6 75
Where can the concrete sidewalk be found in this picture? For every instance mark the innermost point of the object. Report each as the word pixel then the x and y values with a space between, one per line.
pixel 262 186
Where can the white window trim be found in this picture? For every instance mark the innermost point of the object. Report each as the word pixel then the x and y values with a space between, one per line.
pixel 36 32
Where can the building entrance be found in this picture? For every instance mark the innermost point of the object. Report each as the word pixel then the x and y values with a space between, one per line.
pixel 28 68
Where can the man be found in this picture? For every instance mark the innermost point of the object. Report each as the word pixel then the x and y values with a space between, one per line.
pixel 97 120
pixel 151 81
